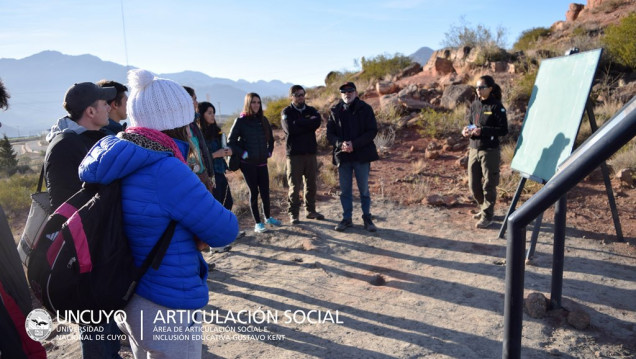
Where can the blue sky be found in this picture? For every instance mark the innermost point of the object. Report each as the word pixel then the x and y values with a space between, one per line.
pixel 291 41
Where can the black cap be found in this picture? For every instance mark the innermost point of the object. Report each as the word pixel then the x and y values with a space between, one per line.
pixel 79 96
pixel 348 85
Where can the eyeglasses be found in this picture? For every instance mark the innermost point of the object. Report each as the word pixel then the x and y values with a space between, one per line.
pixel 298 95
pixel 349 90
pixel 481 87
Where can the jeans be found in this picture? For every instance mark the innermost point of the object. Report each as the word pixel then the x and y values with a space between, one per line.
pixel 101 348
pixel 345 174
pixel 147 343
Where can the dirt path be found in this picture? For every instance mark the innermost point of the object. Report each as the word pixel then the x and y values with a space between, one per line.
pixel 422 286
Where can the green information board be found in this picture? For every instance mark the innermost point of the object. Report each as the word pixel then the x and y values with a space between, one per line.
pixel 554 114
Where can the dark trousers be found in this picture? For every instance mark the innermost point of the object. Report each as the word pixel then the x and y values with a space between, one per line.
pixel 301 169
pixel 222 191
pixel 257 180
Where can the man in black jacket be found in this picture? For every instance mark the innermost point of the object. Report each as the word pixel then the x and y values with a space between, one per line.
pixel 72 136
pixel 69 141
pixel 350 130
pixel 300 122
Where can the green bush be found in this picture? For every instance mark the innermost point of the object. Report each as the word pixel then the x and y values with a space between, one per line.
pixel 15 192
pixel 439 124
pixel 528 38
pixel 273 107
pixel 479 36
pixel 620 41
pixel 382 65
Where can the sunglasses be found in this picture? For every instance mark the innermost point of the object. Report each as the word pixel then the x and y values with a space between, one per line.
pixel 298 95
pixel 481 87
pixel 349 90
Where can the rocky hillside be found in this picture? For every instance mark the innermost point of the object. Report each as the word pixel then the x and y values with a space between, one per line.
pixel 445 80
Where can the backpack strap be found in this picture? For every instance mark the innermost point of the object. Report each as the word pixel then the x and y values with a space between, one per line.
pixel 154 258
pixel 41 180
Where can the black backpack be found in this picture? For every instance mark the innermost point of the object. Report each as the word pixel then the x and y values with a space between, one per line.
pixel 82 260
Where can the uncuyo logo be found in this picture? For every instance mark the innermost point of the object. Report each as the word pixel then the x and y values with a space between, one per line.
pixel 38 324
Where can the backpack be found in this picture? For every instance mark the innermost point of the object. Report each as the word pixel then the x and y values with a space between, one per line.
pixel 82 260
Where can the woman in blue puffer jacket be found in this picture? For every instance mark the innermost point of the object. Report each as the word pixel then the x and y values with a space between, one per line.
pixel 157 187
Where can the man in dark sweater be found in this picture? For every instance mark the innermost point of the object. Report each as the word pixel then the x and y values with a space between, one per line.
pixel 300 122
pixel 69 141
pixel 350 130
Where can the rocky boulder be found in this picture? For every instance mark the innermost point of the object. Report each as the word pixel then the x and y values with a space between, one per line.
pixel 573 12
pixel 456 94
pixel 410 70
pixel 386 87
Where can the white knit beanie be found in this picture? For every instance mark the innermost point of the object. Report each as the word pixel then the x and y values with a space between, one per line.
pixel 156 103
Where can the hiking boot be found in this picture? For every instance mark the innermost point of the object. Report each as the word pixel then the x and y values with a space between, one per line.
pixel 483 223
pixel 259 228
pixel 273 222
pixel 368 224
pixel 344 224
pixel 293 219
pixel 220 249
pixel 315 215
pixel 477 215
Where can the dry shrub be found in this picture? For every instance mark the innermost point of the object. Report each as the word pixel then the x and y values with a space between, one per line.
pixel 385 138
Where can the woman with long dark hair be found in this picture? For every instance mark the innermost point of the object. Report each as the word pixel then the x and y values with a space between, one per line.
pixel 487 121
pixel 251 136
pixel 213 136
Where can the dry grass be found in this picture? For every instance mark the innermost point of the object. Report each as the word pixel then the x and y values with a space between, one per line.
pixel 277 169
pixel 625 157
pixel 508 152
pixel 418 166
pixel 329 175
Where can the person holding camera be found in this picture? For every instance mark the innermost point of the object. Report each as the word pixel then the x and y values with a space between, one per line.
pixel 487 121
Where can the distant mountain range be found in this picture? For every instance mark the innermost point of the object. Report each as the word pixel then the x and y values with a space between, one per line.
pixel 37 85
pixel 422 55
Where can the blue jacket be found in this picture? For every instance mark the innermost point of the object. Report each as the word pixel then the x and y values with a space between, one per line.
pixel 157 188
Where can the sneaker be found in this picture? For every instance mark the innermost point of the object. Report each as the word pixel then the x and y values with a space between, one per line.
pixel 344 224
pixel 477 215
pixel 259 228
pixel 315 215
pixel 483 223
pixel 240 234
pixel 293 219
pixel 273 222
pixel 368 224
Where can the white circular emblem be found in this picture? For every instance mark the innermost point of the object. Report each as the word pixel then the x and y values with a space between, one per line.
pixel 38 324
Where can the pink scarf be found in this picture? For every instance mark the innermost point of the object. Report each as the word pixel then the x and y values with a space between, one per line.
pixel 159 137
